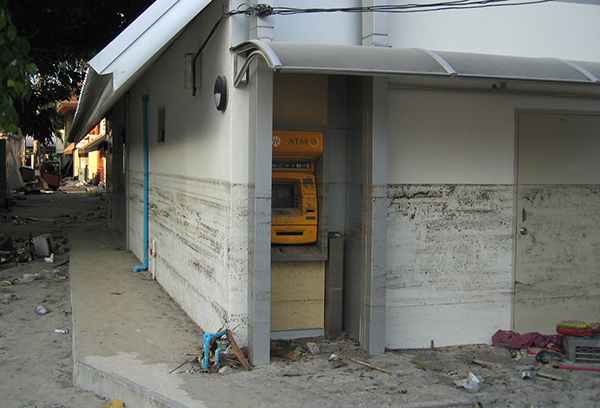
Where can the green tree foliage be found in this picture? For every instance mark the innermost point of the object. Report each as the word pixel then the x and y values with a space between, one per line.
pixel 15 71
pixel 63 36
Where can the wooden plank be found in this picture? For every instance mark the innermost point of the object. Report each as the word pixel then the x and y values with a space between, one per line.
pixel 237 351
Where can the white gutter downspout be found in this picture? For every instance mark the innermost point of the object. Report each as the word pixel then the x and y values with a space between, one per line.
pixel 375 25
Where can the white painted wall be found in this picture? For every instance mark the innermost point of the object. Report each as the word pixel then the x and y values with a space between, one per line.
pixel 552 29
pixel 564 30
pixel 459 137
pixel 451 214
pixel 319 28
pixel 198 180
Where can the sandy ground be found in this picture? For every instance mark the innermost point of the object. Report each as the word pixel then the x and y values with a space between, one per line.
pixel 36 362
pixel 35 359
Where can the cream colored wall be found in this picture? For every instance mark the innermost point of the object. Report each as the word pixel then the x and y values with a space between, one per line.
pixel 94 162
pixel 297 295
pixel 300 99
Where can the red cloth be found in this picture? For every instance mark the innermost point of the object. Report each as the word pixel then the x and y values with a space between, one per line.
pixel 524 341
pixel 576 332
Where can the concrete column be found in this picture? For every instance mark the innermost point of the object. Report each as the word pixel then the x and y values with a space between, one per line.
pixel 259 271
pixel 375 25
pixel 375 204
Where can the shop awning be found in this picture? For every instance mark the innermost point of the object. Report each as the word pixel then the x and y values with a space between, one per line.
pixel 115 69
pixel 93 145
pixel 69 149
pixel 412 63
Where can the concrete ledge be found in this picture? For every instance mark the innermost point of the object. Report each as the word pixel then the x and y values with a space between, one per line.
pixel 112 386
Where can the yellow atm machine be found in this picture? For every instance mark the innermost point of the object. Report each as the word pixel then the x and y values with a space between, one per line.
pixel 294 191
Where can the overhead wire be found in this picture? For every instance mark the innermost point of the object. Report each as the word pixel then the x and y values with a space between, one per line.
pixel 264 10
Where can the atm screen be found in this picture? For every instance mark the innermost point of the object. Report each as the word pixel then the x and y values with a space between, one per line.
pixel 285 195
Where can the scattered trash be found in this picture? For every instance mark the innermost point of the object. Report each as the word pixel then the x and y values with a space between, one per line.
pixel 18 221
pixel 369 365
pixel 8 297
pixel 337 361
pixel 481 363
pixel 41 310
pixel 548 356
pixel 29 277
pixel 61 331
pixel 313 348
pixel 286 350
pixel 471 383
pixel 527 340
pixel 193 360
pixel 225 370
pixel 42 245
pixel 116 404
pixel 49 259
pixel 547 374
pixel 418 364
pixel 20 255
pixel 335 357
pixel 526 374
pixel 5 243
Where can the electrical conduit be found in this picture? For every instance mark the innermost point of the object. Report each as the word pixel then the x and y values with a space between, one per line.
pixel 144 266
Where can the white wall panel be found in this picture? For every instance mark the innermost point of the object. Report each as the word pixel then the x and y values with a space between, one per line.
pixel 552 29
pixel 451 174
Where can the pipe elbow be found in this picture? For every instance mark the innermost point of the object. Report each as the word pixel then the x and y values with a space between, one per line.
pixel 140 268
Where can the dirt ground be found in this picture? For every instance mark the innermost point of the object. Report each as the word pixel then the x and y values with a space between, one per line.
pixel 36 362
pixel 35 350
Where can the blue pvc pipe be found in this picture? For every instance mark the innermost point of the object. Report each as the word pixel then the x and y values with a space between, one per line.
pixel 208 338
pixel 144 266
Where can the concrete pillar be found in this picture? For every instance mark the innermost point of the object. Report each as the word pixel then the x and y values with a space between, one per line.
pixel 375 204
pixel 259 270
pixel 334 286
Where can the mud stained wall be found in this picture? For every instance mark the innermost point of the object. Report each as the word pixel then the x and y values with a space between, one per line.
pixel 558 256
pixel 190 235
pixel 449 263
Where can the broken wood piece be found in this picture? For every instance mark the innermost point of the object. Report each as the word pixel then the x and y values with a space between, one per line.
pixel 237 351
pixel 546 374
pixel 481 363
pixel 182 364
pixel 369 365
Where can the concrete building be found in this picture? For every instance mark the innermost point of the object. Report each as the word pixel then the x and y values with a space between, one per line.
pixel 459 164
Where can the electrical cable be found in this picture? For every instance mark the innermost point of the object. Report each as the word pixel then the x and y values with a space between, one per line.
pixel 264 10
pixel 210 34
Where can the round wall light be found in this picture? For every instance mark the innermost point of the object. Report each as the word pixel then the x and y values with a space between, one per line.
pixel 220 93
